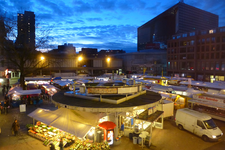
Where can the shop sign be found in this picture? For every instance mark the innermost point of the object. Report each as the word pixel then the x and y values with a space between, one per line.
pixel 102 91
pixel 210 99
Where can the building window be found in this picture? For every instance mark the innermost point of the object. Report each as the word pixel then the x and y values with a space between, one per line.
pixel 192 42
pixel 198 49
pixel 207 48
pixel 168 65
pixel 203 48
pixel 202 56
pixel 217 47
pixel 223 66
pixel 174 37
pixel 207 40
pixel 203 65
pixel 217 39
pixel 212 55
pixel 223 55
pixel 207 55
pixel 217 66
pixel 207 66
pixel 198 65
pixel 203 41
pixel 222 29
pixel 184 35
pixel 212 65
pixel 192 34
pixel 213 48
pixel 198 56
pixel 203 32
pixel 223 47
pixel 217 55
pixel 213 40
pixel 178 36
pixel 212 31
pixel 223 39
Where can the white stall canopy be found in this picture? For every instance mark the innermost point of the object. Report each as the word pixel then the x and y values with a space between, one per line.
pixel 72 121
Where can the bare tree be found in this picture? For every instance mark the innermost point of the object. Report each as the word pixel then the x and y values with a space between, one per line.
pixel 21 57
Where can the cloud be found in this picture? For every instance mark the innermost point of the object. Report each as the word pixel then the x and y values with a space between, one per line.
pixel 94 19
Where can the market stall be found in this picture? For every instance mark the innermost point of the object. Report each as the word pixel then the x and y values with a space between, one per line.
pixel 64 123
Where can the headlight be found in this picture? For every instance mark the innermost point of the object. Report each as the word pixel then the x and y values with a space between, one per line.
pixel 214 136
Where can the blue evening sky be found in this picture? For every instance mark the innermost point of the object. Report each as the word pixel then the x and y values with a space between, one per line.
pixel 101 24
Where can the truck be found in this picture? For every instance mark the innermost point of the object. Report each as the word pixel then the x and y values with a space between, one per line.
pixel 198 123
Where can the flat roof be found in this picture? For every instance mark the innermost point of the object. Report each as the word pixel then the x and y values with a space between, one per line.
pixel 146 100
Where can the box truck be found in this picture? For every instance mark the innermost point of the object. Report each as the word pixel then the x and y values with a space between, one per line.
pixel 198 123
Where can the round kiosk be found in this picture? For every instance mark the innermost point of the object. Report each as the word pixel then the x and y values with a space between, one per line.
pixel 131 109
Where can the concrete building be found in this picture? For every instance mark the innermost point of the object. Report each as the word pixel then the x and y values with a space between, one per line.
pixel 70 63
pixel 177 19
pixel 153 61
pixel 66 48
pixel 26 29
pixel 198 54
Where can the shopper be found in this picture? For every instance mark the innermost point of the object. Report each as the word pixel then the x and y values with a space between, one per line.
pixel 15 127
pixel 61 144
pixel 52 146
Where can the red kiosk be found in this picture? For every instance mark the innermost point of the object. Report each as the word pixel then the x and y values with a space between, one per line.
pixel 108 127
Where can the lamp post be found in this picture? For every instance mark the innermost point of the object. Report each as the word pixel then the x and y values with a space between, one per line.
pixel 80 58
pixel 42 58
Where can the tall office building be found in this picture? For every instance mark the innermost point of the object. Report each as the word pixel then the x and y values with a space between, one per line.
pixel 26 29
pixel 177 19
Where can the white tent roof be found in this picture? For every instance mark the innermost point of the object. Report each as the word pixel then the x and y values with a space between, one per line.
pixel 16 88
pixel 20 91
pixel 27 92
pixel 72 121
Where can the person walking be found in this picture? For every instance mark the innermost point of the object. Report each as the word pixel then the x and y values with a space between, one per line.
pixel 15 127
pixel 52 146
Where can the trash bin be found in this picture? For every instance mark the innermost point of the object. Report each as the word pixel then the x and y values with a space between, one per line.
pixel 99 136
pixel 135 140
pixel 139 140
pixel 130 136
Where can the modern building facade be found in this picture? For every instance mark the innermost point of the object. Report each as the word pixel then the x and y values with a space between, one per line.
pixel 26 29
pixel 177 19
pixel 198 54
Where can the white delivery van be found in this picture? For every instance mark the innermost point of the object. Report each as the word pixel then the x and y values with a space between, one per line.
pixel 198 123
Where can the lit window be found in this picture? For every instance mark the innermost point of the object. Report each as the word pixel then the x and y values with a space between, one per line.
pixel 184 35
pixel 178 36
pixel 212 31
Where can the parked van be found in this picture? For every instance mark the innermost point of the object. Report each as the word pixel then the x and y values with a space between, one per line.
pixel 198 123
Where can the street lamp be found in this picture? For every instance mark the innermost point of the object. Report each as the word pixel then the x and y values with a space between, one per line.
pixel 108 59
pixel 42 57
pixel 80 58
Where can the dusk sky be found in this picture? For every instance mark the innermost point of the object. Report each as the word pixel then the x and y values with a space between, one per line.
pixel 101 24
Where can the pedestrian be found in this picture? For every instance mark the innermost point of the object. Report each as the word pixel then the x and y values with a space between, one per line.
pixel 52 146
pixel 15 127
pixel 122 129
pixel 3 91
pixel 61 144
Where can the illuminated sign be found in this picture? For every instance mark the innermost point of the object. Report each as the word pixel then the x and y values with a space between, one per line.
pixel 102 90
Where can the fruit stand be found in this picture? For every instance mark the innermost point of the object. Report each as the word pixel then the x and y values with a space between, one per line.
pixel 49 134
